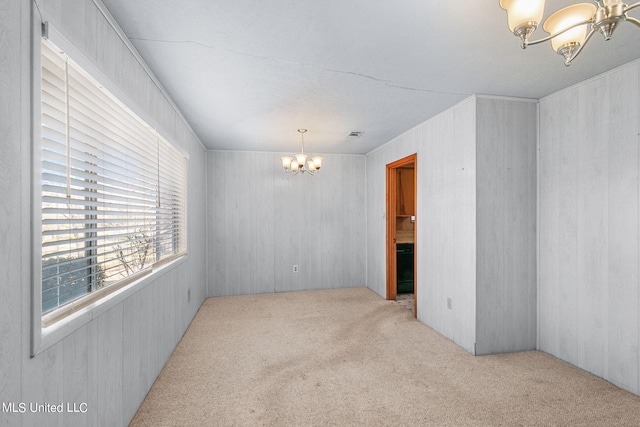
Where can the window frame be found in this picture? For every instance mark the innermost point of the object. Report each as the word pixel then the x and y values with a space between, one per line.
pixel 94 303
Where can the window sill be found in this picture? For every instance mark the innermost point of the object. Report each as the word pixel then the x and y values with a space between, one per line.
pixel 64 327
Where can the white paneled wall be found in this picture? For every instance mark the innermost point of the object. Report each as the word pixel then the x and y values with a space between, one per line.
pixel 447 242
pixel 445 225
pixel 589 245
pixel 14 204
pixel 111 362
pixel 506 225
pixel 262 222
pixel 475 229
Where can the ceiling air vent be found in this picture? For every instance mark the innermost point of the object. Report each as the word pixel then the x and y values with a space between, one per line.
pixel 355 134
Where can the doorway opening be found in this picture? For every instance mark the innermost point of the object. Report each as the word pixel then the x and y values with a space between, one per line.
pixel 401 234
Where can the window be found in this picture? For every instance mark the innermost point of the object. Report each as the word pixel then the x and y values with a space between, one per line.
pixel 113 202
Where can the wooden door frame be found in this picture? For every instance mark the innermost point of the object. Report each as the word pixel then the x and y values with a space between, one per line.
pixel 392 196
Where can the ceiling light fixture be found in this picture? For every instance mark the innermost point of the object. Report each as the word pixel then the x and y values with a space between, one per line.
pixel 300 163
pixel 569 28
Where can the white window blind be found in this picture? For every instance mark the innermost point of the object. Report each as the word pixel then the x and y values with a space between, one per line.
pixel 113 190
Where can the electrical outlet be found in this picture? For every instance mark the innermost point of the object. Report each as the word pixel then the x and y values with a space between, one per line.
pixel 295 268
pixel 449 304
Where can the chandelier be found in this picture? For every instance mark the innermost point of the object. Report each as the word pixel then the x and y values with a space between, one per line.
pixel 300 163
pixel 569 28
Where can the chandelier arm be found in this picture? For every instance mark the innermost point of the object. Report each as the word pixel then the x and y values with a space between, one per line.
pixel 577 52
pixel 633 6
pixel 550 36
pixel 633 21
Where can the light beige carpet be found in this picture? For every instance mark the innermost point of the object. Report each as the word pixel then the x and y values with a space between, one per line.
pixel 348 357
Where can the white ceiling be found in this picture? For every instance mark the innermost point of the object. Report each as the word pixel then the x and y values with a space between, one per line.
pixel 247 74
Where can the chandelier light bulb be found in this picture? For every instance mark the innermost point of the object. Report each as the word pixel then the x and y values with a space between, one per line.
pixel 523 13
pixel 286 162
pixel 317 162
pixel 301 158
pixel 311 166
pixel 563 20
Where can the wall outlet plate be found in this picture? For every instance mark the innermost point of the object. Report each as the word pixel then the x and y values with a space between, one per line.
pixel 295 268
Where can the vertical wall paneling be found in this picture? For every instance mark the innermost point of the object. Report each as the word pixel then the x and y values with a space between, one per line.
pixel 236 227
pixel 547 268
pixel 92 19
pixel 241 228
pixel 110 362
pixel 108 43
pixel 353 254
pixel 42 382
pixel 262 209
pixel 197 244
pixel 321 233
pixel 446 232
pixel 156 333
pixel 376 223
pixel 170 282
pixel 449 227
pixel 74 28
pixel 273 221
pixel 215 221
pixel 623 218
pixel 592 241
pixel 557 227
pixel 589 226
pixel 289 235
pixel 80 363
pixel 14 156
pixel 466 290
pixel 109 406
pixel 135 372
pixel 244 225
pixel 506 233
pixel 459 172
